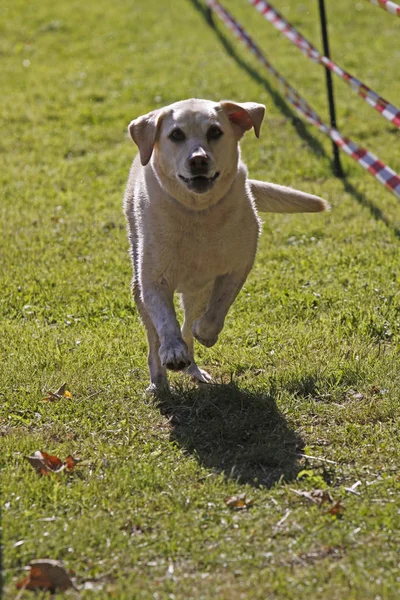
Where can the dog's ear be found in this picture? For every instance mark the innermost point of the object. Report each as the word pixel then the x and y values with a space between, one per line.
pixel 143 131
pixel 244 116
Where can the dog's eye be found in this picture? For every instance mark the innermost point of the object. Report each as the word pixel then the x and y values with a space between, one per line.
pixel 177 135
pixel 214 133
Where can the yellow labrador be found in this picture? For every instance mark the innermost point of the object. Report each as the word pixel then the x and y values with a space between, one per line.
pixel 193 224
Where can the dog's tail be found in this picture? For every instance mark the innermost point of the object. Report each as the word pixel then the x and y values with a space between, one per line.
pixel 270 197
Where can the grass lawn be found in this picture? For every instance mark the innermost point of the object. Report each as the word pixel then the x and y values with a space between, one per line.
pixel 307 367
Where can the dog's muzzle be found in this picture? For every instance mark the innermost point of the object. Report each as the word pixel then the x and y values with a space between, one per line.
pixel 200 183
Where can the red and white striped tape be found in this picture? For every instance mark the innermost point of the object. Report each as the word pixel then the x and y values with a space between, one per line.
pixel 365 159
pixel 391 7
pixel 387 110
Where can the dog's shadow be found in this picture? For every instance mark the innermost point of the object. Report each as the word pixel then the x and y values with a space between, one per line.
pixel 234 431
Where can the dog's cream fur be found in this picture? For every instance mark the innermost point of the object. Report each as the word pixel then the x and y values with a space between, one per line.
pixel 195 234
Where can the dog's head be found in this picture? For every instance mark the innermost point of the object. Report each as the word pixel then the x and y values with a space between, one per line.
pixel 193 146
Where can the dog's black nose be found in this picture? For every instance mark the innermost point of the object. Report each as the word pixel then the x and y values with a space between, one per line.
pixel 199 162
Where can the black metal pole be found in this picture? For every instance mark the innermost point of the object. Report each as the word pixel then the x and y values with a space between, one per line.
pixel 337 166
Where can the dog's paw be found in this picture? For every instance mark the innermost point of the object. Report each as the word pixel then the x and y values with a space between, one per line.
pixel 175 356
pixel 158 385
pixel 205 332
pixel 198 374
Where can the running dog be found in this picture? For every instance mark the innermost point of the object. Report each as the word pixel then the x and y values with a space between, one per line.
pixel 193 225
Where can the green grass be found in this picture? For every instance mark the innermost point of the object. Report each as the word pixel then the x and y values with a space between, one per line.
pixel 308 363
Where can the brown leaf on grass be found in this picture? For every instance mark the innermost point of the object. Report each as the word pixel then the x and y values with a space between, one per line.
pixel 337 509
pixel 46 574
pixel 62 392
pixel 321 497
pixel 376 391
pixel 70 462
pixel 45 463
pixel 239 502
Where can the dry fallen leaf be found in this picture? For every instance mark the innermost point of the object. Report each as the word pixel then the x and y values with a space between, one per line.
pixel 46 574
pixel 239 502
pixel 337 509
pixel 44 463
pixel 321 497
pixel 70 462
pixel 62 392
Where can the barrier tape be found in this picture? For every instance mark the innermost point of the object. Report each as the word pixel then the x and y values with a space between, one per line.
pixel 388 6
pixel 365 159
pixel 387 110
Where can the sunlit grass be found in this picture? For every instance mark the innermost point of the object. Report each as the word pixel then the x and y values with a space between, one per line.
pixel 307 366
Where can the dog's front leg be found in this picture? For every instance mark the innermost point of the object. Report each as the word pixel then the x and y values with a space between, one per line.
pixel 226 287
pixel 158 300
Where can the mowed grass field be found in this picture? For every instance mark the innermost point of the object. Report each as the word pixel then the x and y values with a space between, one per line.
pixel 307 369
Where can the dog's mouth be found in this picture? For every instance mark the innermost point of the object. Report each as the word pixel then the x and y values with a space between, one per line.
pixel 199 183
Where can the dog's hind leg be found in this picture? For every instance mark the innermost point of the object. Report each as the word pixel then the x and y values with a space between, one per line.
pixel 194 305
pixel 158 373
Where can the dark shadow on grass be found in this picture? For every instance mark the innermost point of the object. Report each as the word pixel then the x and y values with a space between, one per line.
pixel 298 124
pixel 235 431
pixel 375 211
